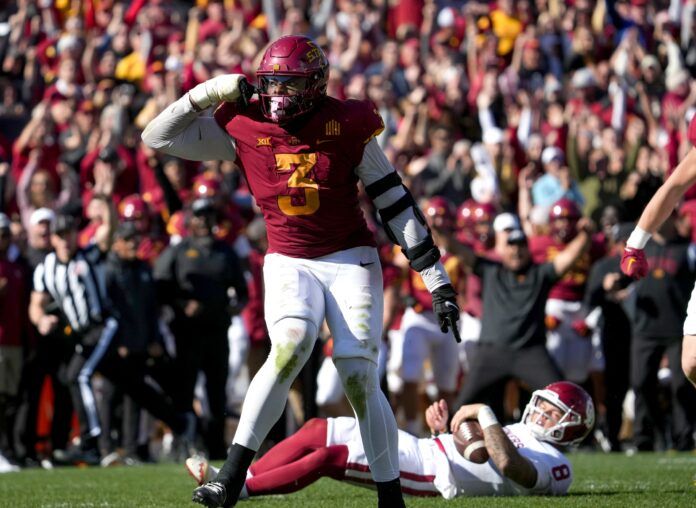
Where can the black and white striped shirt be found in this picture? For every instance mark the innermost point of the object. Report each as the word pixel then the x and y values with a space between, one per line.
pixel 77 287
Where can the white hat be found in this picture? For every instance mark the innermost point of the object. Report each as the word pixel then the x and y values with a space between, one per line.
pixel 650 61
pixel 445 18
pixel 67 41
pixel 505 221
pixel 493 135
pixel 40 215
pixel 483 190
pixel 552 153
pixel 584 78
pixel 552 86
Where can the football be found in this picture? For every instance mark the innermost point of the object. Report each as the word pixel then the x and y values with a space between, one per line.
pixel 469 442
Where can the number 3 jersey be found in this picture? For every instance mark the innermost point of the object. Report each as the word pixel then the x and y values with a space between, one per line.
pixel 303 175
pixel 465 478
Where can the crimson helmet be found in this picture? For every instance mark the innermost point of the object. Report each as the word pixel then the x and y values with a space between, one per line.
pixel 568 209
pixel 298 59
pixel 206 186
pixel 475 220
pixel 132 207
pixel 472 212
pixel 577 408
pixel 439 213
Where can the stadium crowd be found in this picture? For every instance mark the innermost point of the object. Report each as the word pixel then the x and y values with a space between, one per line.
pixel 125 274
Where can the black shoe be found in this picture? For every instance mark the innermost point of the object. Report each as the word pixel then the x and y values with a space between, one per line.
pixel 210 494
pixel 90 456
pixel 389 494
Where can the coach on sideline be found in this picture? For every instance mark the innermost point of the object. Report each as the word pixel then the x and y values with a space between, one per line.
pixel 513 333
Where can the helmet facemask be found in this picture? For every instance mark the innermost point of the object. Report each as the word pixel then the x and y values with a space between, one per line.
pixel 564 232
pixel 298 95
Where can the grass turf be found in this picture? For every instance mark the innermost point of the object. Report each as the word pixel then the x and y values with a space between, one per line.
pixel 662 480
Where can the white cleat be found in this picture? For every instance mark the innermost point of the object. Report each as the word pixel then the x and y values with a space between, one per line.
pixel 200 470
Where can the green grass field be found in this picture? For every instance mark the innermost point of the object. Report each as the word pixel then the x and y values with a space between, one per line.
pixel 654 480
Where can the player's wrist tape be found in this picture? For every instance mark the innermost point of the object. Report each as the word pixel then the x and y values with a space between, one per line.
pixel 434 276
pixel 199 97
pixel 486 417
pixel 638 239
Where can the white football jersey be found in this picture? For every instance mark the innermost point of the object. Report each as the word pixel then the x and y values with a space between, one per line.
pixel 465 478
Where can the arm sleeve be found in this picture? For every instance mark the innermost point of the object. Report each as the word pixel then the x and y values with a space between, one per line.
pixel 23 187
pixel 181 131
pixel 408 229
pixel 594 292
pixel 549 273
pixel 482 265
pixel 171 198
pixel 39 285
pixel 374 166
pixel 614 16
pixel 165 279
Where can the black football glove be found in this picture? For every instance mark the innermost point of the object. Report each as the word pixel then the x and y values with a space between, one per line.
pixel 446 309
pixel 246 90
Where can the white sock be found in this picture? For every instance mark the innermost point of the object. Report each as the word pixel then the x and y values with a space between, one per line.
pixel 292 341
pixel 375 418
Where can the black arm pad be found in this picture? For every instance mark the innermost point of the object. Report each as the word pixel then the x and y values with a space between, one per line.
pixel 376 189
pixel 423 255
pixel 403 203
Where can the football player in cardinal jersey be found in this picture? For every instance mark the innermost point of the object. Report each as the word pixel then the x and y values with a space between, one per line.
pixel 134 209
pixel 634 263
pixel 569 341
pixel 303 153
pixel 475 226
pixel 525 458
pixel 420 330
pixel 475 229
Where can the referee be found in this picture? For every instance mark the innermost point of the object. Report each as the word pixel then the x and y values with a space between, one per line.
pixel 73 280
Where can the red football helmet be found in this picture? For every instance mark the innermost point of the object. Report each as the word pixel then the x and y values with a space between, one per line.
pixel 577 408
pixel 206 186
pixel 132 207
pixel 298 63
pixel 472 212
pixel 476 220
pixel 564 208
pixel 439 213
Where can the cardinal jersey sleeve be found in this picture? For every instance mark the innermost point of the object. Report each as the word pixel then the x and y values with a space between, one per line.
pixel 370 124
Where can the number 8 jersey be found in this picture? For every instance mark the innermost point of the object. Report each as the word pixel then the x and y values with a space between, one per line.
pixel 302 174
